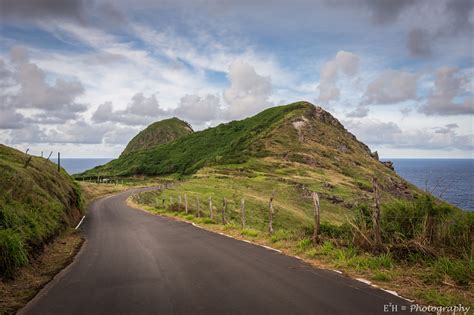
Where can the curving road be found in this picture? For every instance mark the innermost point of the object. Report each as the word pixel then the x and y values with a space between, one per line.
pixel 136 263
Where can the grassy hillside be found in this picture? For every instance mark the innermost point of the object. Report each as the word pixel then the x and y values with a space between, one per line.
pixel 36 203
pixel 294 149
pixel 158 133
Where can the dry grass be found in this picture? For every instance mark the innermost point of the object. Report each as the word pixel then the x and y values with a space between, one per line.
pixel 30 279
pixel 91 191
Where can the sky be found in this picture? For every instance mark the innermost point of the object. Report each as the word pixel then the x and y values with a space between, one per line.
pixel 84 76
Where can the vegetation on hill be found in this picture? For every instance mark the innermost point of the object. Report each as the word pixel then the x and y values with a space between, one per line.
pixel 161 132
pixel 36 203
pixel 293 149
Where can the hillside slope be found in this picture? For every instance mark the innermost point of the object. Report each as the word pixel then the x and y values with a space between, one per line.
pixel 36 203
pixel 158 133
pixel 292 149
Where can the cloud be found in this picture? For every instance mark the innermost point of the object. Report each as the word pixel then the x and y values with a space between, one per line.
pixel 141 110
pixel 78 132
pixel 388 134
pixel 77 11
pixel 345 63
pixel 449 84
pixel 42 9
pixel 10 119
pixel 27 87
pixel 391 87
pixel 248 93
pixel 197 109
pixel 419 42
pixel 359 112
pixel 387 11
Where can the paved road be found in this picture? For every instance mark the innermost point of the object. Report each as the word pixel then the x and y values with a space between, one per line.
pixel 137 263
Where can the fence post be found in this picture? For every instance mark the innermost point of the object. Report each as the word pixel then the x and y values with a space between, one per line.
pixel 317 219
pixel 179 202
pixel 270 221
pixel 223 210
pixel 210 207
pixel 59 161
pixel 376 213
pixel 186 203
pixel 197 207
pixel 242 211
pixel 171 202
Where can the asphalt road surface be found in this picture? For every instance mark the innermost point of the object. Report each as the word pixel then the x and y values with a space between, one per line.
pixel 136 263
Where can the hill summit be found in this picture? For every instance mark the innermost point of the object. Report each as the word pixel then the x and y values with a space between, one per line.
pixel 290 138
pixel 160 132
pixel 292 150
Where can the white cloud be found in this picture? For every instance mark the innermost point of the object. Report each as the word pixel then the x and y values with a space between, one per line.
pixel 344 62
pixel 141 110
pixel 197 109
pixel 391 87
pixel 388 134
pixel 26 87
pixel 449 83
pixel 248 93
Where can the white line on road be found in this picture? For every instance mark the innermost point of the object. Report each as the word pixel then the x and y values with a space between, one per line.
pixel 79 224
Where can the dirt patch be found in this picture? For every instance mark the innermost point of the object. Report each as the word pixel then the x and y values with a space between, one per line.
pixel 30 279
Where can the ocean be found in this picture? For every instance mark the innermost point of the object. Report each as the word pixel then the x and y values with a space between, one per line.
pixel 74 166
pixel 449 179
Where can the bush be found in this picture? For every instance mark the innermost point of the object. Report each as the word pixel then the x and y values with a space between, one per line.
pixel 249 232
pixel 13 253
pixel 280 235
pixel 459 271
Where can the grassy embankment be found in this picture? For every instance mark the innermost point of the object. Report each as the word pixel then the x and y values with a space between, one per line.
pixel 37 203
pixel 39 207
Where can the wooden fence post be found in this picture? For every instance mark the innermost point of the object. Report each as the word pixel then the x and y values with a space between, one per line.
pixel 376 213
pixel 242 211
pixel 197 207
pixel 59 161
pixel 186 203
pixel 317 219
pixel 270 221
pixel 210 207
pixel 223 210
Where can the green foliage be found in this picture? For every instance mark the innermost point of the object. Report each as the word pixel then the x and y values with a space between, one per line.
pixel 36 203
pixel 225 144
pixel 441 225
pixel 304 244
pixel 13 252
pixel 460 271
pixel 280 235
pixel 158 133
pixel 381 276
pixel 249 232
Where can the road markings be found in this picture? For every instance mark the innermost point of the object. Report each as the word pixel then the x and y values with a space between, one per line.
pixel 79 224
pixel 364 281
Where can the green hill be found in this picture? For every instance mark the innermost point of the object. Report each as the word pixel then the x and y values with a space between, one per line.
pixel 158 133
pixel 296 148
pixel 36 203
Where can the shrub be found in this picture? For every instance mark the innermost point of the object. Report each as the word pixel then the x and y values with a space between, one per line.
pixel 13 253
pixel 280 235
pixel 249 232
